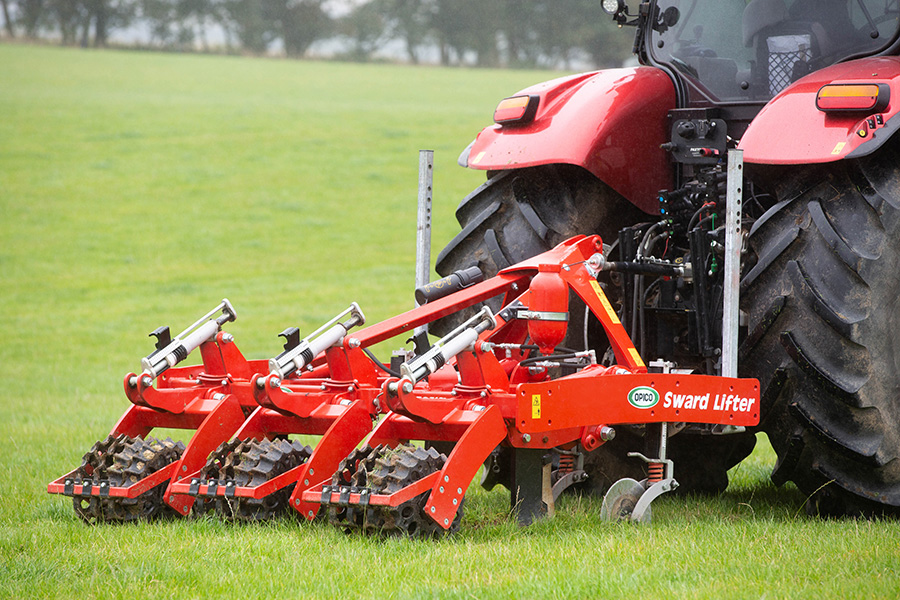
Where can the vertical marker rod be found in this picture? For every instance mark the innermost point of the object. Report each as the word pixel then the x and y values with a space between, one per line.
pixel 733 242
pixel 423 224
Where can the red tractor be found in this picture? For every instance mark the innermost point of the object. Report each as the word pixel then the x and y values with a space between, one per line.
pixel 663 261
pixel 807 90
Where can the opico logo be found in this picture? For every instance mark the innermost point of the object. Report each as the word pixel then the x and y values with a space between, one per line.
pixel 643 397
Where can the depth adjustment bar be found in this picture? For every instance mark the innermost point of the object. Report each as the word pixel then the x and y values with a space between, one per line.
pixel 169 352
pixel 300 353
pixel 443 350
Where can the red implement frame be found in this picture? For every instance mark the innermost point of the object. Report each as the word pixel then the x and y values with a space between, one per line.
pixel 491 403
pixel 481 398
pixel 212 399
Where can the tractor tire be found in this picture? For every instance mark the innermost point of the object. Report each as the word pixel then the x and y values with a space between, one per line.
pixel 821 291
pixel 518 214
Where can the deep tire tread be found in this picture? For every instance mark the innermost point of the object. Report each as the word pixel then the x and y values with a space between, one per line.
pixel 826 360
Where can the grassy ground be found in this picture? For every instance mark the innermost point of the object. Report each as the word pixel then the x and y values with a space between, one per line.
pixel 139 189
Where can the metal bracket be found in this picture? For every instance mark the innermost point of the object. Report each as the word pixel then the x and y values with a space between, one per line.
pixel 733 243
pixel 536 315
pixel 423 225
pixel 653 492
pixel 568 480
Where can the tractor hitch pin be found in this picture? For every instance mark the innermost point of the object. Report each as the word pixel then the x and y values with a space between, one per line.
pixel 298 355
pixel 443 350
pixel 176 350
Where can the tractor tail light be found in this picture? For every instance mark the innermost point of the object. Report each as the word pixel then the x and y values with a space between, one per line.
pixel 518 109
pixel 853 97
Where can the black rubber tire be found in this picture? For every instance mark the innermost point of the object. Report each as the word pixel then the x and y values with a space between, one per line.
pixel 517 214
pixel 822 299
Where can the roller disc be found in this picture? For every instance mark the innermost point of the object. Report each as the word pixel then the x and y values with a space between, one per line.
pixel 620 500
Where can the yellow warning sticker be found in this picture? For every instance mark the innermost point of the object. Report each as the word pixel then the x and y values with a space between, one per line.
pixel 636 357
pixel 535 406
pixel 605 302
pixel 839 147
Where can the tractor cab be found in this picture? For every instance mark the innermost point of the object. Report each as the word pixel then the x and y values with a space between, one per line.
pixel 735 51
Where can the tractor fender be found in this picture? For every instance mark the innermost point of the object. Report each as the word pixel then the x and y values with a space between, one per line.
pixel 610 122
pixel 791 130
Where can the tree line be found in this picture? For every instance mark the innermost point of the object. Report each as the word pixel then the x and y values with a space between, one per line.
pixel 490 33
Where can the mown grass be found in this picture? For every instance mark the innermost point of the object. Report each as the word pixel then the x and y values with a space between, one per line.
pixel 138 189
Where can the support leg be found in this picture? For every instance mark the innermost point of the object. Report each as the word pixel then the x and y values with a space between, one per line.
pixel 527 491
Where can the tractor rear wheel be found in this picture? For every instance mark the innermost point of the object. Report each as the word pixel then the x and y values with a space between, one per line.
pixel 823 299
pixel 520 213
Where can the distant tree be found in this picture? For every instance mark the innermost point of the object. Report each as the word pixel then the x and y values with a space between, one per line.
pixel 7 19
pixel 518 25
pixel 367 28
pixel 249 21
pixel 258 23
pixel 31 14
pixel 159 15
pixel 552 32
pixel 102 17
pixel 463 26
pixel 302 22
pixel 193 18
pixel 69 17
pixel 408 20
pixel 606 43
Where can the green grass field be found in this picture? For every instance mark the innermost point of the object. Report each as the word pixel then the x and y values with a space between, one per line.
pixel 139 189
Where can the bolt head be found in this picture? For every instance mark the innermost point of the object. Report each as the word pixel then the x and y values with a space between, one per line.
pixel 354 343
pixel 607 433
pixel 407 387
pixel 274 382
pixel 526 437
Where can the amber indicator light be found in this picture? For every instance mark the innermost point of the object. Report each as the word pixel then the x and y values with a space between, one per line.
pixel 518 109
pixel 869 97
